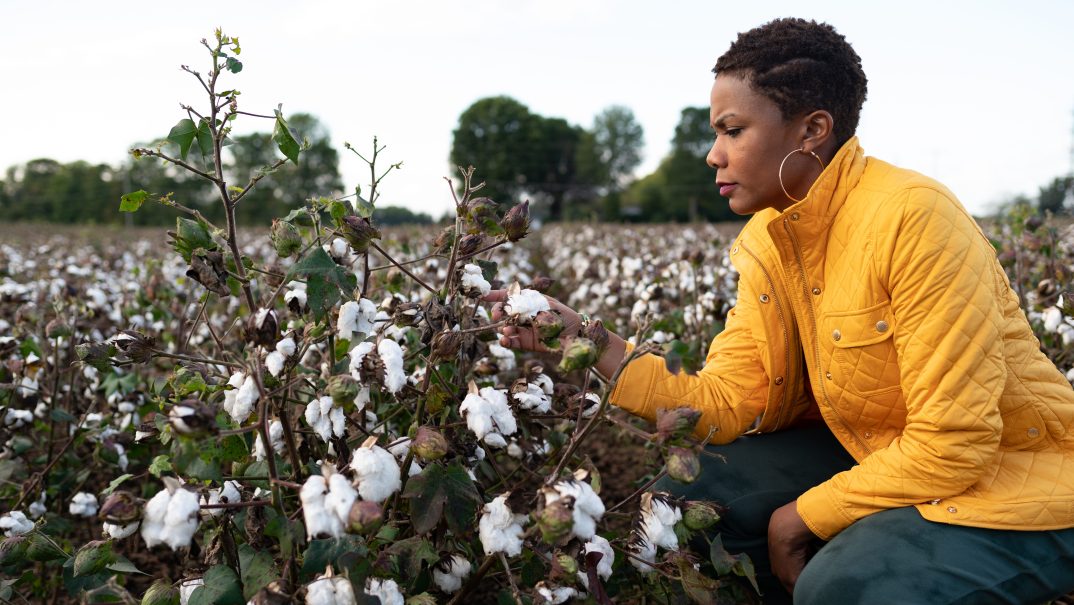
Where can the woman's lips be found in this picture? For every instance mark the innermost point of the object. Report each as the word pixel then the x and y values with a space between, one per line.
pixel 727 188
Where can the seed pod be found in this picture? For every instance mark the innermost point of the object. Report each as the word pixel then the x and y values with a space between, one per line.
pixel 93 557
pixel 120 508
pixel 556 519
pixel 343 389
pixel 57 328
pixel 42 549
pixel 96 354
pixel 207 268
pixel 285 237
pixel 596 332
pixel 365 517
pixel 697 514
pixel 161 592
pixel 276 593
pixel 516 223
pixel 683 464
pixel 359 232
pixel 446 344
pixel 429 444
pixel 444 240
pixel 676 422
pixel 485 367
pixel 549 324
pixel 567 563
pixel 192 418
pixel 135 345
pixel 262 328
pixel 470 244
pixel 580 354
pixel 406 314
pixel 541 284
pixel 13 549
pixel 481 212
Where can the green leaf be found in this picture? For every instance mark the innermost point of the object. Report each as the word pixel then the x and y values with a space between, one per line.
pixel 257 468
pixel 29 345
pixel 132 201
pixel 93 558
pixel 442 492
pixel 205 138
pixel 322 553
pixel 258 569
pixel 221 588
pixel 182 134
pixel 160 464
pixel 115 483
pixel 123 565
pixel 725 563
pixel 411 552
pixel 232 449
pixel 339 209
pixel 299 216
pixel 363 207
pixel 325 280
pixel 191 235
pixel 234 65
pixel 285 139
pixel 488 269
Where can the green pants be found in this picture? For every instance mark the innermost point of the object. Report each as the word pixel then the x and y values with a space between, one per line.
pixel 888 558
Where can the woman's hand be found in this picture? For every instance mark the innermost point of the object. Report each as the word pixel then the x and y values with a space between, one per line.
pixel 789 544
pixel 526 338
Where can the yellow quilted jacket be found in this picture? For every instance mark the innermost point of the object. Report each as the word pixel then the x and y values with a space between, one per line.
pixel 879 300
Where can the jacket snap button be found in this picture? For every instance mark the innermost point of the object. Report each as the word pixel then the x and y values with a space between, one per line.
pixel 828 375
pixel 936 501
pixel 734 250
pixel 952 509
pixel 816 291
pixel 779 380
pixel 836 335
pixel 764 298
pixel 868 435
pixel 794 216
pixel 881 326
pixel 1033 432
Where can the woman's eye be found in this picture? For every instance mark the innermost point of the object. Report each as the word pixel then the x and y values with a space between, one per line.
pixel 733 132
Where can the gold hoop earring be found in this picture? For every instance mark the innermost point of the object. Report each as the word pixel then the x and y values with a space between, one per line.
pixel 802 151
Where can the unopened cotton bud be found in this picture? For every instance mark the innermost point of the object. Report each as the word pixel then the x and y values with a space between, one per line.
pixel 13 549
pixel 161 592
pixel 359 233
pixel 516 223
pixel 93 557
pixel 120 508
pixel 285 237
pixel 567 563
pixel 343 389
pixel 365 517
pixel 556 519
pixel 470 244
pixel 57 328
pixel 481 210
pixel 548 323
pixel 580 354
pixel 429 444
pixel 698 515
pixel 263 328
pixel 446 344
pixel 676 422
pixel 683 464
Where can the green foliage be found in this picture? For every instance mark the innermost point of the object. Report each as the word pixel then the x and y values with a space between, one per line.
pixel 440 491
pixel 222 587
pixel 131 202
pixel 326 281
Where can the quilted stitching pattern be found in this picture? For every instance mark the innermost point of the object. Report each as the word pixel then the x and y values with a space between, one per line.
pixel 933 404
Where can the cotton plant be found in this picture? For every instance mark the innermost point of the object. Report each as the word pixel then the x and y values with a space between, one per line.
pixel 275 437
pixel 449 574
pixel 239 401
pixel 385 589
pixel 330 589
pixel 655 529
pixel 275 360
pixel 376 470
pixel 326 505
pixel 326 418
pixel 229 493
pixel 15 523
pixel 488 415
pixel 598 544
pixel 170 517
pixel 356 318
pixel 500 529
pixel 390 358
pixel 83 504
pixel 570 507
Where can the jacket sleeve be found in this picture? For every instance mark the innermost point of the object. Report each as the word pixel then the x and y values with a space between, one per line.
pixel 941 275
pixel 730 391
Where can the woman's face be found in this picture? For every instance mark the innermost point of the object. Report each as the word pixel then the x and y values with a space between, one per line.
pixel 752 138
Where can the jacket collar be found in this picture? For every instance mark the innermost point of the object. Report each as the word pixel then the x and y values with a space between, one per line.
pixel 830 190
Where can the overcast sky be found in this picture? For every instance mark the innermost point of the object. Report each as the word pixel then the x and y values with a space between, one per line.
pixel 979 94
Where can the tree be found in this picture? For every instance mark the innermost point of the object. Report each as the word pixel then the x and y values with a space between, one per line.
pixel 684 189
pixel 617 139
pixel 1055 196
pixel 498 136
pixel 315 175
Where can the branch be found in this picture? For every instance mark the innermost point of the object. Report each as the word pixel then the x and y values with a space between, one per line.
pixel 177 162
pixel 401 268
pixel 254 179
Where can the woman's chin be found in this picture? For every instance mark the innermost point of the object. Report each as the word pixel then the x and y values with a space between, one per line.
pixel 742 206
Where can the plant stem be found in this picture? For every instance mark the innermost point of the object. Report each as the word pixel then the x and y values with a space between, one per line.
pixel 401 268
pixel 206 360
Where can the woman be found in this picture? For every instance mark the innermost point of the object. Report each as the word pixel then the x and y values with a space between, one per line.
pixel 943 471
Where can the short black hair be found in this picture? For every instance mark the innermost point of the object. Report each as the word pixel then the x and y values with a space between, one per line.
pixel 802 66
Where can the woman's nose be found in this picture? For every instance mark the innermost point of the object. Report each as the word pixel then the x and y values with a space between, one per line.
pixel 715 158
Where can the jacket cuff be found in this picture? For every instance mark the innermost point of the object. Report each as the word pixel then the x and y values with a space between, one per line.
pixel 634 388
pixel 821 512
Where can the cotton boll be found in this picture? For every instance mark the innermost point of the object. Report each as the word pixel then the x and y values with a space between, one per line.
pixel 187 588
pixel 239 401
pixel 377 471
pixel 386 590
pixel 392 356
pixel 587 506
pixel 274 362
pixel 356 318
pixel 83 504
pixel 228 494
pixel 330 590
pixel 488 415
pixel 449 575
pixel 15 523
pixel 554 595
pixel 499 529
pixel 658 519
pixel 533 398
pixel 604 566
pixel 325 418
pixel 473 282
pixel 505 358
pixel 318 521
pixel 340 498
pixel 37 507
pixel 525 304
pixel 170 517
pixel 119 532
pixel 1052 318
pixel 275 436
pixel 357 356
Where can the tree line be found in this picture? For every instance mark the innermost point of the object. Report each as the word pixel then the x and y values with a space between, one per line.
pixel 566 171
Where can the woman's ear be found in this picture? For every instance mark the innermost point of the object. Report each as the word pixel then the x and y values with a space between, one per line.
pixel 817 130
